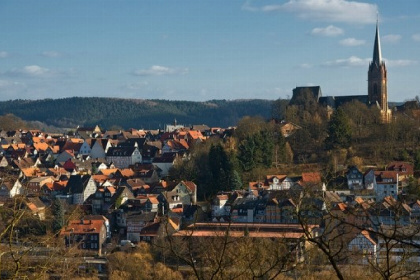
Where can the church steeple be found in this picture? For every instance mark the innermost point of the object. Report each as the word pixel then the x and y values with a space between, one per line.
pixel 377 79
pixel 377 55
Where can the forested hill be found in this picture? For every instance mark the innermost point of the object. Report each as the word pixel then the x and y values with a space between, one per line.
pixel 134 113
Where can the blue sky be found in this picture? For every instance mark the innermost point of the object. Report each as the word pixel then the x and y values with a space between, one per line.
pixel 204 49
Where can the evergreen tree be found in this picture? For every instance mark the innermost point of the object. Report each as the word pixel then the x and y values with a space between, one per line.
pixel 236 181
pixel 220 167
pixel 58 212
pixel 246 154
pixel 339 131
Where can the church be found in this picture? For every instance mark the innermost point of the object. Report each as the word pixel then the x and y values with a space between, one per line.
pixel 377 87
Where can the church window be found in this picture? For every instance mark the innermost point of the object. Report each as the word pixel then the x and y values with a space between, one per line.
pixel 375 90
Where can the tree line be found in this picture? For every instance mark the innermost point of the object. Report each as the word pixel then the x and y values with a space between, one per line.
pixel 137 113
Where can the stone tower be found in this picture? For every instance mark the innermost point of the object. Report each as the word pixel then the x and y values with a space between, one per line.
pixel 377 80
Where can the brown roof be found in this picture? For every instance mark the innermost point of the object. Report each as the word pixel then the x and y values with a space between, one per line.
pixel 311 177
pixel 127 172
pixel 191 186
pixel 83 227
pixel 41 146
pixel 108 172
pixel 381 176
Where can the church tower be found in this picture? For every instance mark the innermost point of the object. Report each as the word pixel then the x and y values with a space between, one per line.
pixel 377 80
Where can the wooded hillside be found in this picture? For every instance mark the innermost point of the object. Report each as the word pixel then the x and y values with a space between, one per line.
pixel 137 113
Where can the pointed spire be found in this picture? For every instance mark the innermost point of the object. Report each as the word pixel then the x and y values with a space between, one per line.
pixel 377 56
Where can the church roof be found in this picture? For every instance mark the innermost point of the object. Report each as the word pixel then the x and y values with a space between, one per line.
pixel 315 90
pixel 377 55
pixel 337 101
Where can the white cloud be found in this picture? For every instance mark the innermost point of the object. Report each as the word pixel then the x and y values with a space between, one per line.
pixel 355 61
pixel 328 31
pixel 35 71
pixel 157 70
pixel 416 37
pixel 3 54
pixel 305 66
pixel 352 42
pixel 352 61
pixel 391 38
pixel 323 10
pixel 400 62
pixel 51 54
pixel 30 71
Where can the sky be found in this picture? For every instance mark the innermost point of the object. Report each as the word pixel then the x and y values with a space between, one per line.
pixel 200 50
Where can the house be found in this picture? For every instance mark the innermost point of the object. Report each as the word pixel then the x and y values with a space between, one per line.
pixel 390 212
pixel 354 178
pixel 415 212
pixel 75 145
pixel 272 211
pixel 4 162
pixel 279 182
pixel 121 195
pixel 248 209
pixel 386 184
pixel 404 169
pixel 369 179
pixel 218 208
pixel 65 156
pixel 363 248
pixel 34 185
pixel 175 146
pixel 149 173
pixel 123 157
pixel 10 189
pixel 312 181
pixel 79 188
pixel 69 165
pixel 288 211
pixel 165 162
pixel 136 222
pixel 50 190
pixel 36 206
pixel 86 234
pixel 97 150
pixel 184 193
pixel 137 186
pixel 84 149
pixel 151 204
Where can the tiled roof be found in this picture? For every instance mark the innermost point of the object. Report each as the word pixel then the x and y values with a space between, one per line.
pixel 56 186
pixel 385 176
pixel 108 172
pixel 41 146
pixel 127 172
pixel 311 177
pixel 366 234
pixel 153 199
pixel 191 186
pixel 83 227
pixel 270 178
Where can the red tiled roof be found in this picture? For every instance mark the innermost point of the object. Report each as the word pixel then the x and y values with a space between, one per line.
pixel 83 227
pixel 311 177
pixel 191 186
